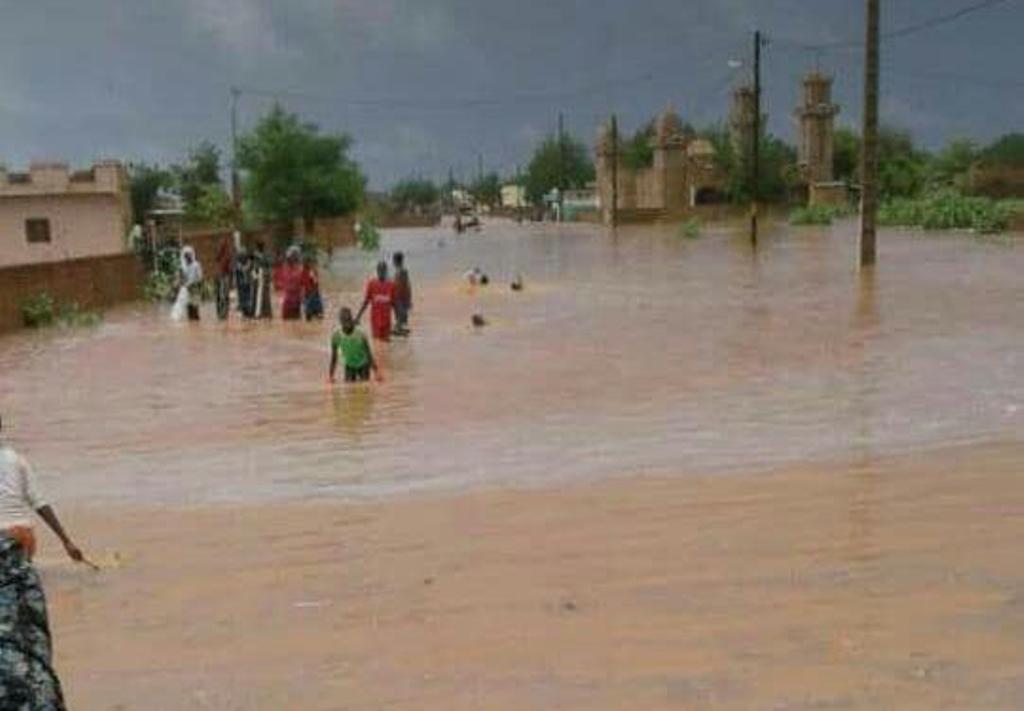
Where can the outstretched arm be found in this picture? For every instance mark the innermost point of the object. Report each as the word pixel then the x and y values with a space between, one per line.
pixel 373 361
pixel 334 363
pixel 50 517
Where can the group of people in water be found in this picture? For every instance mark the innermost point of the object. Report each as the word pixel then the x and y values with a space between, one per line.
pixel 383 296
pixel 253 278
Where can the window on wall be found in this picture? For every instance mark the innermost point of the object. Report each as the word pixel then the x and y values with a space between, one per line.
pixel 37 230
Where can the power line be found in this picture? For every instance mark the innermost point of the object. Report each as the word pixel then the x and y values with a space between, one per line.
pixel 899 31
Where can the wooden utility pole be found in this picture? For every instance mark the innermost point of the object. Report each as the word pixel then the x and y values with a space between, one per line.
pixel 869 151
pixel 561 164
pixel 755 158
pixel 614 215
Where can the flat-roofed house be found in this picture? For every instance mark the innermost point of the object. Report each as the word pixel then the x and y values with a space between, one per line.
pixel 51 213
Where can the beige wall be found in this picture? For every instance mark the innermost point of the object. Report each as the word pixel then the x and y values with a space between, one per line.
pixel 81 225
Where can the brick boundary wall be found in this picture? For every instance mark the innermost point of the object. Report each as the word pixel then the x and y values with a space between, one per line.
pixel 91 282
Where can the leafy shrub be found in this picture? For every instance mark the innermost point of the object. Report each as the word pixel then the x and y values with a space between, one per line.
pixel 690 229
pixel 368 236
pixel 816 214
pixel 41 310
pixel 72 315
pixel 160 286
pixel 37 310
pixel 947 210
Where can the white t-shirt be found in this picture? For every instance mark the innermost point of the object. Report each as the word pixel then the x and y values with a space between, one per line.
pixel 19 494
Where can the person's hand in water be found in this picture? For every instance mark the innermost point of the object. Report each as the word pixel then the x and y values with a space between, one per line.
pixel 74 552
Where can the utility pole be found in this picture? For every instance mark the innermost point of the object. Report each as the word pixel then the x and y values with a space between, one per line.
pixel 450 198
pixel 755 159
pixel 614 216
pixel 561 164
pixel 236 187
pixel 869 151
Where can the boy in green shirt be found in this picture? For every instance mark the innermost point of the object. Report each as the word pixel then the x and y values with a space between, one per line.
pixel 354 348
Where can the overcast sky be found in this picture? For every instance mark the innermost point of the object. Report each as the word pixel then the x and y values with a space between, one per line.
pixel 422 85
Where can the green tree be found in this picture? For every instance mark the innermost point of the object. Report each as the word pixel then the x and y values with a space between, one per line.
pixel 1007 150
pixel 950 166
pixel 414 193
pixel 777 173
pixel 558 162
pixel 293 171
pixel 637 151
pixel 198 184
pixel 902 168
pixel 846 155
pixel 487 189
pixel 213 206
pixel 145 182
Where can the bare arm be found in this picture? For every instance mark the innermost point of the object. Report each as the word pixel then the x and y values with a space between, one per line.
pixel 334 362
pixel 50 517
pixel 366 302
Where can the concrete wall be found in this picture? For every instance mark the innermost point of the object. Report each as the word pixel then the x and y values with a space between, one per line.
pixel 650 189
pixel 81 225
pixel 93 283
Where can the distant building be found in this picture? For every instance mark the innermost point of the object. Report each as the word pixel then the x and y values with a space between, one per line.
pixel 578 200
pixel 513 195
pixel 51 214
pixel 462 198
pixel 683 174
pixel 816 149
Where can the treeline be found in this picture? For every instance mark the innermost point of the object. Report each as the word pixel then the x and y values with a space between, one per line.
pixel 289 170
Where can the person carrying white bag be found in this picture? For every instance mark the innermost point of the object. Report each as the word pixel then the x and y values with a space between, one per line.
pixel 190 290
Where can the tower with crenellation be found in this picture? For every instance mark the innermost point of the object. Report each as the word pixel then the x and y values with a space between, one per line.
pixel 816 115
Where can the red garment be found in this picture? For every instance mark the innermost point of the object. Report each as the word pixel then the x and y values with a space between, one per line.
pixel 276 274
pixel 310 280
pixel 291 280
pixel 381 295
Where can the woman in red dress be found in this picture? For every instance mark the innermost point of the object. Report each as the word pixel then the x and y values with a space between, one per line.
pixel 291 284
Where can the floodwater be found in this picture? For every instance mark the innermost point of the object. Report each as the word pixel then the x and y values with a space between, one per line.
pixel 634 352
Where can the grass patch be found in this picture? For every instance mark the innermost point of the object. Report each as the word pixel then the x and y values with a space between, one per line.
pixel 816 214
pixel 41 310
pixel 949 210
pixel 690 229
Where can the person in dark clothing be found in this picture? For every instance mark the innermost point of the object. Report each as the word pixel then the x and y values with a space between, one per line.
pixel 225 262
pixel 403 295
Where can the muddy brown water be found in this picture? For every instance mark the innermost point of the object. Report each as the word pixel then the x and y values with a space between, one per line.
pixel 639 351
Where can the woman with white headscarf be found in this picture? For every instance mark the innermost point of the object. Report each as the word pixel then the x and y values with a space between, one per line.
pixel 191 281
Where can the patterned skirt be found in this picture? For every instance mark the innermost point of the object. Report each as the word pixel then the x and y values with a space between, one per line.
pixel 27 679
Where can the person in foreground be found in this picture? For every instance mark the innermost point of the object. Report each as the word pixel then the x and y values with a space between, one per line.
pixel 356 354
pixel 27 678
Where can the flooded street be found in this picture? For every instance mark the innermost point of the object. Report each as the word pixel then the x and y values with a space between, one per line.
pixel 669 474
pixel 641 352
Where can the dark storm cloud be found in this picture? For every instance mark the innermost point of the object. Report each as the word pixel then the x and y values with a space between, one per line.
pixel 426 84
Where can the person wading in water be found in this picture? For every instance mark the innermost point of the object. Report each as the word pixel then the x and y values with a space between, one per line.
pixel 27 677
pixel 380 298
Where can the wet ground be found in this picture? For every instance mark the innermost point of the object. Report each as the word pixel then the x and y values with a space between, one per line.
pixel 753 481
pixel 635 352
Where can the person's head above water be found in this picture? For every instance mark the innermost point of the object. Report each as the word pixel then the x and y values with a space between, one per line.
pixel 382 270
pixel 346 320
pixel 398 259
